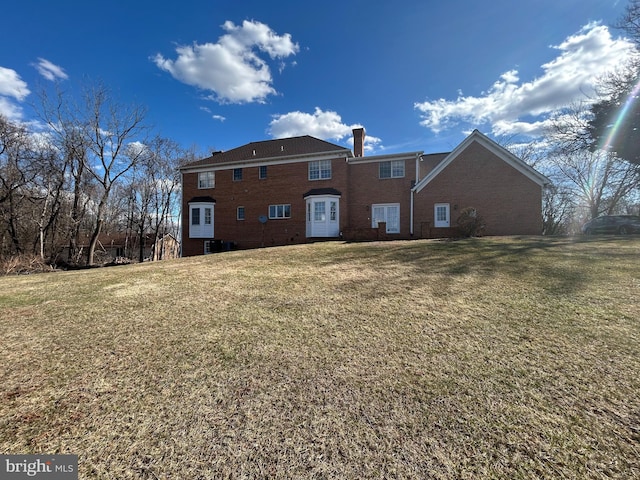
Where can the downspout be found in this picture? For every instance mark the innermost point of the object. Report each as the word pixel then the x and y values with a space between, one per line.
pixel 412 192
pixel 411 215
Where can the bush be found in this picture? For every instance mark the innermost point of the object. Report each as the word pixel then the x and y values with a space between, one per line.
pixel 470 223
pixel 24 264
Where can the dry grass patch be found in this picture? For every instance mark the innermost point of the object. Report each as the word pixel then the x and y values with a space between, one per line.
pixel 482 358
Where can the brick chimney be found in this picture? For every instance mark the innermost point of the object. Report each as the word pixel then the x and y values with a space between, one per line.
pixel 358 142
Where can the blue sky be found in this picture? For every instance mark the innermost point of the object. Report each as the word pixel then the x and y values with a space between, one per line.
pixel 417 74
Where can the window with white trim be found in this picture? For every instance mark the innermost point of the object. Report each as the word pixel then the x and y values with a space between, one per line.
pixel 320 170
pixel 280 211
pixel 391 169
pixel 206 180
pixel 237 174
pixel 319 212
pixel 388 213
pixel 262 172
pixel 240 213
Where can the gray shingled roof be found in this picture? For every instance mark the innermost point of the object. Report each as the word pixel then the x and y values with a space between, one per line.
pixel 282 147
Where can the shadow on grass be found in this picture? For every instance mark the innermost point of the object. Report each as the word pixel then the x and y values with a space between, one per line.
pixel 564 262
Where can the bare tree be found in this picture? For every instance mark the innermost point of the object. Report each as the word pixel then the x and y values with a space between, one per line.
pixel 110 130
pixel 17 171
pixel 166 179
pixel 66 131
pixel 598 180
pixel 629 22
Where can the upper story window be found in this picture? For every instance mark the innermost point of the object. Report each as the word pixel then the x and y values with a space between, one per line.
pixel 392 169
pixel 240 213
pixel 320 170
pixel 262 174
pixel 206 180
pixel 237 174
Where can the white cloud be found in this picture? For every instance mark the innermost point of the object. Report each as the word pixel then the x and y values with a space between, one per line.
pixel 49 70
pixel 11 86
pixel 9 109
pixel 232 68
pixel 215 117
pixel 136 149
pixel 326 125
pixel 508 104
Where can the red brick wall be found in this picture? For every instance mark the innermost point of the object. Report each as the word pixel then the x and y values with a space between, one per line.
pixel 366 188
pixel 508 201
pixel 285 184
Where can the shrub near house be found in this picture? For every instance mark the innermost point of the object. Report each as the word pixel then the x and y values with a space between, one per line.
pixel 301 189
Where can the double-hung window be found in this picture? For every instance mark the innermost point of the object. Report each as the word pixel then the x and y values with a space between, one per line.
pixel 195 216
pixel 262 174
pixel 237 174
pixel 320 170
pixel 392 169
pixel 319 212
pixel 206 180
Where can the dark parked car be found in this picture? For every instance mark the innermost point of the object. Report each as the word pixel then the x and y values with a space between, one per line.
pixel 616 224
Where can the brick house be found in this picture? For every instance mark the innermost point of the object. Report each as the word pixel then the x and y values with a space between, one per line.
pixel 301 189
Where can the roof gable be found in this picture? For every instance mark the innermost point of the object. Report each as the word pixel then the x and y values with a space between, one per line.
pixel 499 151
pixel 270 149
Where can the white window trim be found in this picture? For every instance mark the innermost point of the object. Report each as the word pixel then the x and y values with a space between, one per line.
pixel 385 206
pixel 320 169
pixel 283 205
pixel 202 230
pixel 391 163
pixel 202 175
pixel 244 213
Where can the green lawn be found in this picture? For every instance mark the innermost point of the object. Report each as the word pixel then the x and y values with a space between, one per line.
pixel 481 358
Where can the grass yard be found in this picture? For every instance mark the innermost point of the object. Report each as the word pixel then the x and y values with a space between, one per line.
pixel 509 358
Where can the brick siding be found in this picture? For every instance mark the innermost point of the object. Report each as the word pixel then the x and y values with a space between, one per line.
pixel 509 202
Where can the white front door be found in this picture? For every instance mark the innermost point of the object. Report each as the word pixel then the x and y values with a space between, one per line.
pixel 323 214
pixel 441 215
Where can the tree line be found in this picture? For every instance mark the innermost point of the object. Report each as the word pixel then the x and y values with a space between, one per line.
pixel 84 169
